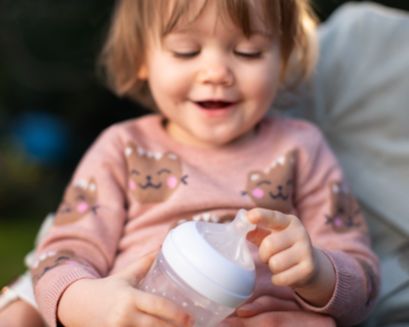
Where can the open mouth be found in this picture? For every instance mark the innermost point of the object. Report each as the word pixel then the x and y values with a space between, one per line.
pixel 214 105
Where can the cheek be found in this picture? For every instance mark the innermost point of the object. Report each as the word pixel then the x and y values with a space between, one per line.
pixel 261 82
pixel 170 87
pixel 264 90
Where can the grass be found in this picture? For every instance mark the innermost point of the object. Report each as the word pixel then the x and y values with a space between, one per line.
pixel 16 240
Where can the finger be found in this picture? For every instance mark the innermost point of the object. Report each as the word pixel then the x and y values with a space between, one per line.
pixel 267 222
pixel 293 277
pixel 141 319
pixel 138 269
pixel 257 235
pixel 284 260
pixel 232 322
pixel 273 244
pixel 265 304
pixel 162 308
pixel 269 219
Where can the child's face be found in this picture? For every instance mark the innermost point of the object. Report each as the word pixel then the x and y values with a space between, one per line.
pixel 211 82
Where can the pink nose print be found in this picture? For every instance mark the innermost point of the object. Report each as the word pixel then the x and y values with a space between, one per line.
pixel 132 185
pixel 172 182
pixel 258 193
pixel 82 207
pixel 338 222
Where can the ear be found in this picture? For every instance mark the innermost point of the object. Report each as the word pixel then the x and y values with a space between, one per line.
pixel 143 72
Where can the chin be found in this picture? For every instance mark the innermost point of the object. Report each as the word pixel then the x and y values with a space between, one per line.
pixel 219 141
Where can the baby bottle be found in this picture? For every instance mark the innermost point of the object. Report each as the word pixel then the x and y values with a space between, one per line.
pixel 206 268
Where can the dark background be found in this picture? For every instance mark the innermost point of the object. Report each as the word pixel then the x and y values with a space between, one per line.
pixel 52 106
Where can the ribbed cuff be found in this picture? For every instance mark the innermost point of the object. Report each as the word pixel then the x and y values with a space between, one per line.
pixel 50 287
pixel 347 303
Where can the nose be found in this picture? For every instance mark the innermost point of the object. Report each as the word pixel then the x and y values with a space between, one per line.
pixel 216 71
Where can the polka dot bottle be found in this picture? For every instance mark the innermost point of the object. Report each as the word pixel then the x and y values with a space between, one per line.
pixel 206 268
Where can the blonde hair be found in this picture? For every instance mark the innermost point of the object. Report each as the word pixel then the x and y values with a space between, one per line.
pixel 290 21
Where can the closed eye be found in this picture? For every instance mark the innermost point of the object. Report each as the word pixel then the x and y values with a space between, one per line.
pixel 185 54
pixel 164 171
pixel 248 54
pixel 135 172
pixel 263 182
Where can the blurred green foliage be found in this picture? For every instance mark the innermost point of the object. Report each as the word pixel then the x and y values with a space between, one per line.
pixel 47 63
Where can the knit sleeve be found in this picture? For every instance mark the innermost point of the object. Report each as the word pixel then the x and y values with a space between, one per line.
pixel 89 222
pixel 336 226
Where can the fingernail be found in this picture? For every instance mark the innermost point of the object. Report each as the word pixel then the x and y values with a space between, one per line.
pixel 189 321
pixel 246 310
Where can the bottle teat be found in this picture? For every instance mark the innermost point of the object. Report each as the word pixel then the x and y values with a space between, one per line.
pixel 240 224
pixel 230 239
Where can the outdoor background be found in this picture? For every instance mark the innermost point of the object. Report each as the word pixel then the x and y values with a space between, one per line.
pixel 52 106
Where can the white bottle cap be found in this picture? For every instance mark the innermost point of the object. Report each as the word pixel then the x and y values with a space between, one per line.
pixel 204 269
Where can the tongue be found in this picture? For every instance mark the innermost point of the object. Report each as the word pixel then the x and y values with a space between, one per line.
pixel 213 104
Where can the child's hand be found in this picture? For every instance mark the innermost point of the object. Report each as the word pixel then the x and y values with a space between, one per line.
pixel 284 244
pixel 115 301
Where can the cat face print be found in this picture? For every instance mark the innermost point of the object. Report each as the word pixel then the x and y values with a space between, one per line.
pixel 344 210
pixel 79 200
pixel 274 188
pixel 152 177
pixel 48 261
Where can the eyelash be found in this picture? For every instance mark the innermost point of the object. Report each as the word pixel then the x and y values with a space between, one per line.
pixel 245 55
pixel 186 55
pixel 249 55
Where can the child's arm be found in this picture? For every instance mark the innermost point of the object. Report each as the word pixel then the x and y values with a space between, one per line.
pixel 115 301
pixel 332 230
pixel 291 258
pixel 83 239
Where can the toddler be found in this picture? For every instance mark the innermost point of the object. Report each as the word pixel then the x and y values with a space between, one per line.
pixel 211 69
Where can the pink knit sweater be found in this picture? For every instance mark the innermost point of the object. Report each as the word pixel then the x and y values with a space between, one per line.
pixel 135 183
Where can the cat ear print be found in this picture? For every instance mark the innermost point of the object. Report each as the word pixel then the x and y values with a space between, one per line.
pixel 283 160
pixel 335 188
pixel 339 187
pixel 172 156
pixel 157 155
pixel 81 183
pixel 279 161
pixel 92 185
pixel 130 149
pixel 255 176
